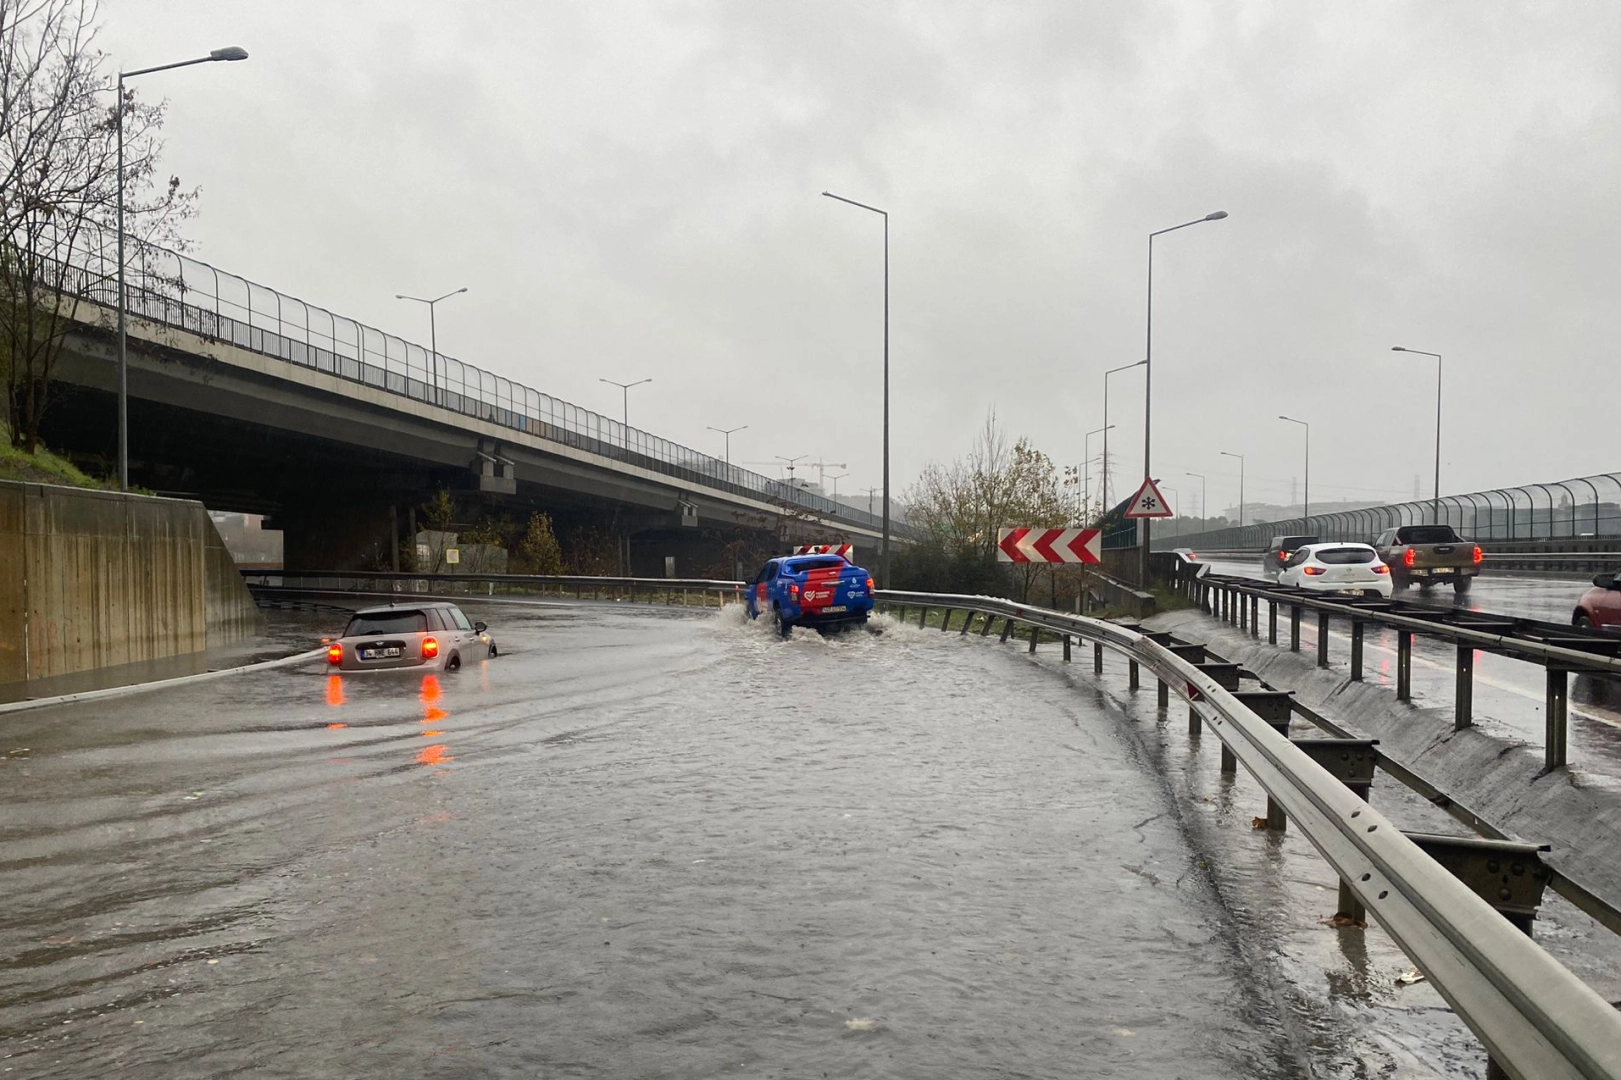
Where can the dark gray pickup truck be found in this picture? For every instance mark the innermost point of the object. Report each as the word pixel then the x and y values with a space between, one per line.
pixel 1428 554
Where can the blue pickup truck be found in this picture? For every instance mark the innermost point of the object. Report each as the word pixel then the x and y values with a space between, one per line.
pixel 823 591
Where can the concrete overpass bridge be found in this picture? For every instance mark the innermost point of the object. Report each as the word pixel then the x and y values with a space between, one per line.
pixel 252 400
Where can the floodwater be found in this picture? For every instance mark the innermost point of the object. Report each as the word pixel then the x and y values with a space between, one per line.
pixel 651 843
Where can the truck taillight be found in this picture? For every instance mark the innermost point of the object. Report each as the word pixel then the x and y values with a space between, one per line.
pixel 1479 555
pixel 793 591
pixel 334 653
pixel 1407 558
pixel 869 583
pixel 430 648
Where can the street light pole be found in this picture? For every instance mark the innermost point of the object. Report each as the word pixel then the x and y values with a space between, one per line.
pixel 1306 509
pixel 1107 426
pixel 1204 509
pixel 1435 502
pixel 231 52
pixel 625 389
pixel 884 558
pixel 1148 375
pixel 433 334
pixel 1087 464
pixel 728 433
pixel 836 480
pixel 1240 457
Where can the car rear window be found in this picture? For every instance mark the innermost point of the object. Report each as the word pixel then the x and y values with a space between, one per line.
pixel 1426 534
pixel 1291 542
pixel 375 623
pixel 802 565
pixel 1346 556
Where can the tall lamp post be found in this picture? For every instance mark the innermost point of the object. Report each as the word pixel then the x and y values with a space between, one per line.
pixel 1240 457
pixel 1176 506
pixel 1305 510
pixel 1204 510
pixel 1107 425
pixel 433 332
pixel 728 433
pixel 1087 464
pixel 884 557
pixel 231 52
pixel 1435 502
pixel 1148 373
pixel 836 480
pixel 625 390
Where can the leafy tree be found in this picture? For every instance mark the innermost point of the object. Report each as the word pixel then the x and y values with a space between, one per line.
pixel 539 549
pixel 59 182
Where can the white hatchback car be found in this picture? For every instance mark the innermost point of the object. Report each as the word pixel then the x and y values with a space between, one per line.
pixel 1348 569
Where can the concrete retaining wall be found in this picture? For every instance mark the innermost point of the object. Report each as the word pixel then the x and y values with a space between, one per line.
pixel 97 579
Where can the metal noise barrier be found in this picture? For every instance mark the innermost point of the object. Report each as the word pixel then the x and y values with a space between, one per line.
pixel 1537 1019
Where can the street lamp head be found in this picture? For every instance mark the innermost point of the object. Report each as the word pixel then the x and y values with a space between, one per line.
pixel 401 296
pixel 1397 348
pixel 230 52
pixel 1215 215
pixel 460 290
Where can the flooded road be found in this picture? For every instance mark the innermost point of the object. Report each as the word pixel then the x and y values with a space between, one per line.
pixel 662 843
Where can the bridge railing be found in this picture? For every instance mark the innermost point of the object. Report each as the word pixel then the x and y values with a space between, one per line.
pixel 1587 507
pixel 176 290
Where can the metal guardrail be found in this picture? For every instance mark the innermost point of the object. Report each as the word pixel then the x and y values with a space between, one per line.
pixel 1561 649
pixel 1537 1019
pixel 402 583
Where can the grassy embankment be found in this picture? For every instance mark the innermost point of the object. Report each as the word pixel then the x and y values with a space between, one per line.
pixel 40 467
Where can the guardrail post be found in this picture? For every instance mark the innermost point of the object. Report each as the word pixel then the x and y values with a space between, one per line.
pixel 1007 628
pixel 1557 708
pixel 1356 650
pixel 986 628
pixel 1322 639
pixel 922 616
pixel 1404 665
pixel 1097 658
pixel 1463 714
pixel 1294 627
pixel 1271 622
pixel 1164 695
pixel 945 621
pixel 1224 602
pixel 1066 648
pixel 1131 674
pixel 1255 616
pixel 1035 635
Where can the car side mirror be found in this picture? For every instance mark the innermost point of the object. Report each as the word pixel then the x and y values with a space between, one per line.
pixel 479 628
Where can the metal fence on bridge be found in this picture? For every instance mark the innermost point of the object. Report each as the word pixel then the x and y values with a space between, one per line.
pixel 175 290
pixel 1577 509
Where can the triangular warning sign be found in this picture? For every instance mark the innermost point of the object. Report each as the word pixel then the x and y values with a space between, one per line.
pixel 1148 502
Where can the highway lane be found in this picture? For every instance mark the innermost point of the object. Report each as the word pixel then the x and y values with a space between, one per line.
pixel 653 842
pixel 1509 695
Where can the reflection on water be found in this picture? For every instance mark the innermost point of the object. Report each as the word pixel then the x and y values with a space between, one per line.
pixel 334 690
pixel 438 753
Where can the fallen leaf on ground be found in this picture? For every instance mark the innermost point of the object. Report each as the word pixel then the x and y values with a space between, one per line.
pixel 1409 977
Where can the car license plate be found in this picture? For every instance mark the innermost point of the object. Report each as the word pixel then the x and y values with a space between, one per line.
pixel 380 654
pixel 1443 569
pixel 834 609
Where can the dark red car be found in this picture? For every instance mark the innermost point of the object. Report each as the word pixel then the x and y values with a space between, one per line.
pixel 1600 606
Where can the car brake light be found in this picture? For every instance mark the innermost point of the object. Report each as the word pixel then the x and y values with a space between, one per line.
pixel 430 648
pixel 334 653
pixel 1407 557
pixel 793 590
pixel 1479 555
pixel 1312 571
pixel 1381 568
pixel 869 583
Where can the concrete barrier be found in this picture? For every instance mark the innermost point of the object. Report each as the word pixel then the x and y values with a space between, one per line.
pixel 99 579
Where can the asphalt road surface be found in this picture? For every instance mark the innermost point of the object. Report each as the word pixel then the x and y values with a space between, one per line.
pixel 666 844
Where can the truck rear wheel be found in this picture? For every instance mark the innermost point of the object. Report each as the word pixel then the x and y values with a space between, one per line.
pixel 782 628
pixel 1462 584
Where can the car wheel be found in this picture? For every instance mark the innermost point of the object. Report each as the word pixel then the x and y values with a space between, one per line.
pixel 1582 621
pixel 1462 584
pixel 782 628
pixel 454 663
pixel 493 651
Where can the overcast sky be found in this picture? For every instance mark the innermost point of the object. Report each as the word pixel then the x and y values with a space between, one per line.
pixel 632 191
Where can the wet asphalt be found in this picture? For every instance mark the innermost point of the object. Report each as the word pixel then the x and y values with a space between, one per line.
pixel 663 843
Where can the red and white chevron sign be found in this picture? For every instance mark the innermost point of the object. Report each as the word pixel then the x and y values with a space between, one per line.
pixel 1049 545
pixel 842 550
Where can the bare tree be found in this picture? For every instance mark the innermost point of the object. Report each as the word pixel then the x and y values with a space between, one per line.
pixel 59 181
